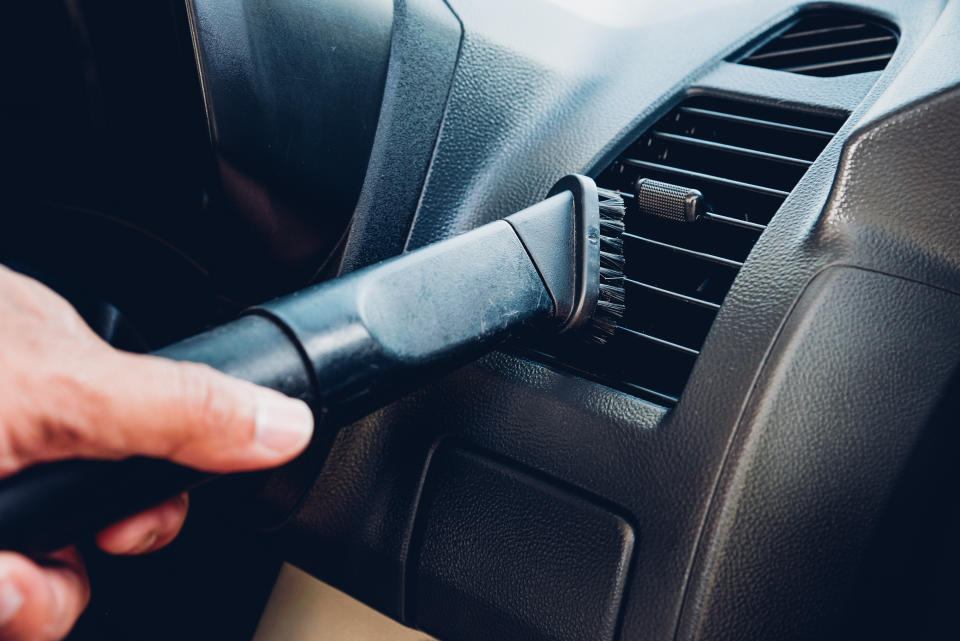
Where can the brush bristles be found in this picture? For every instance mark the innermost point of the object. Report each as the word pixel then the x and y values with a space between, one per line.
pixel 612 296
pixel 611 245
pixel 610 260
pixel 611 204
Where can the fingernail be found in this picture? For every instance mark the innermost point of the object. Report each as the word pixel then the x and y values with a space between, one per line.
pixel 10 600
pixel 283 425
pixel 145 544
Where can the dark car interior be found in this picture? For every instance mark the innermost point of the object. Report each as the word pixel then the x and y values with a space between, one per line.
pixel 765 448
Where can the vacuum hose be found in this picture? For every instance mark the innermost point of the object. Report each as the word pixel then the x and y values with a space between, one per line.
pixel 351 345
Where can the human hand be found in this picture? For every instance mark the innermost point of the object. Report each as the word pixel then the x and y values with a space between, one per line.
pixel 64 393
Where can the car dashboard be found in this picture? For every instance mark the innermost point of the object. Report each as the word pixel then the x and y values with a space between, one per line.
pixel 764 448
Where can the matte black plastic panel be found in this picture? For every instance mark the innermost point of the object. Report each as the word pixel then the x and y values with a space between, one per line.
pixel 501 554
pixel 293 90
pixel 850 387
pixel 423 56
pixel 293 87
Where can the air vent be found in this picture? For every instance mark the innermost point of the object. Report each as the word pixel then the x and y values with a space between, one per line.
pixel 745 159
pixel 826 44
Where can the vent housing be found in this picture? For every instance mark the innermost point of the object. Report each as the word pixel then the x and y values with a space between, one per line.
pixel 825 43
pixel 745 158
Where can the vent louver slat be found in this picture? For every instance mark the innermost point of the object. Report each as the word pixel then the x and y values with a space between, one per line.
pixel 745 159
pixel 826 44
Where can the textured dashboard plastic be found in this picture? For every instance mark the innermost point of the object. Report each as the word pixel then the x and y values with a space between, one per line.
pixel 541 562
pixel 529 105
pixel 423 56
pixel 839 407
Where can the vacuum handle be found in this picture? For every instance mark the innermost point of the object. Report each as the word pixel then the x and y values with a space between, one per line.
pixel 53 505
pixel 362 339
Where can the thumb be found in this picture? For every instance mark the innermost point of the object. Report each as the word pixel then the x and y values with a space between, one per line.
pixel 185 412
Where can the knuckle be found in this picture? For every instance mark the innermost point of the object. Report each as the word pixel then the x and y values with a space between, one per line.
pixel 65 610
pixel 78 389
pixel 41 440
pixel 207 405
pixel 59 622
pixel 45 412
pixel 77 403
pixel 12 457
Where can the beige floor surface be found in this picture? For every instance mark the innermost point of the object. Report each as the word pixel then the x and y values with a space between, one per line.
pixel 301 608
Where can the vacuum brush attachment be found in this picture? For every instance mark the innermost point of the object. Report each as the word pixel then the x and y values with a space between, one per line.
pixel 353 344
